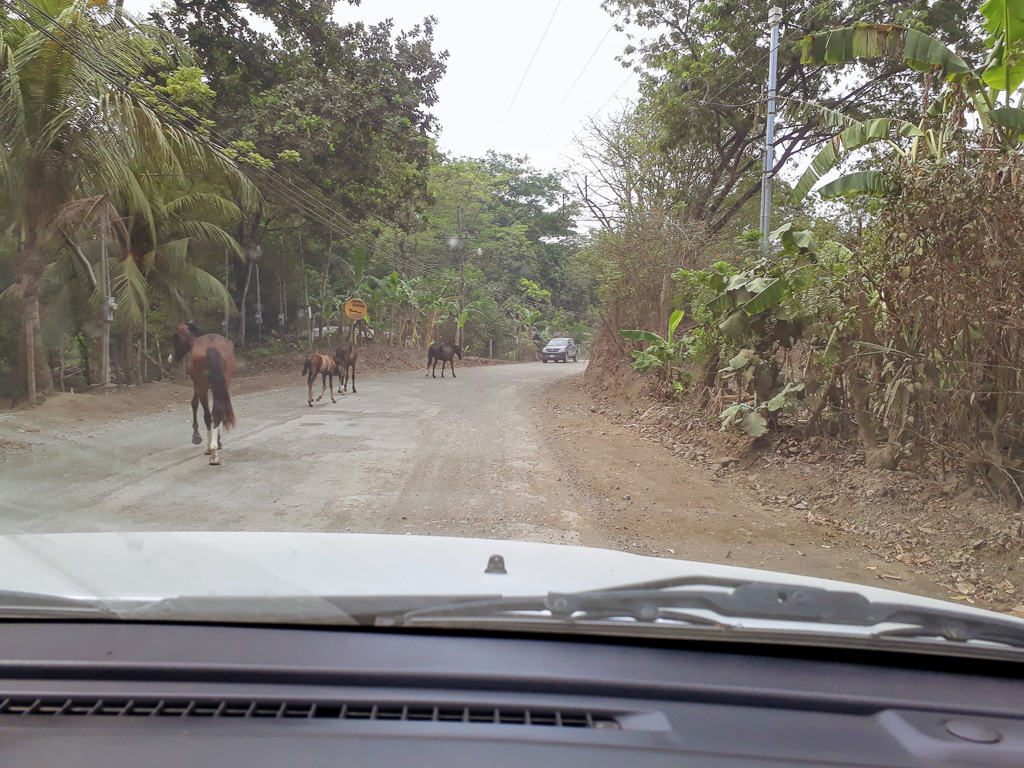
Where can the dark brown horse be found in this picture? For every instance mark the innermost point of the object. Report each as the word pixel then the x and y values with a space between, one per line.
pixel 445 353
pixel 346 358
pixel 323 366
pixel 211 366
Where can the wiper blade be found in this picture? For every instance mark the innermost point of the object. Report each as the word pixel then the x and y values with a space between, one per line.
pixel 726 603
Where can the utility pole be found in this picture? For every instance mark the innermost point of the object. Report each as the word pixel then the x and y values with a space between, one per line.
pixel 462 279
pixel 108 313
pixel 305 293
pixel 774 18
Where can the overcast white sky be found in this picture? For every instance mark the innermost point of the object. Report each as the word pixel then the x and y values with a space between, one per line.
pixel 489 47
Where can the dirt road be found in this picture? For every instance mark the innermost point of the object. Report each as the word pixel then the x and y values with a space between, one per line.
pixel 405 454
pixel 507 452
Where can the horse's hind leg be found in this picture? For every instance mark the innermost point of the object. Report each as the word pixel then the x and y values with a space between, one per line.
pixel 323 378
pixel 353 379
pixel 330 378
pixel 209 424
pixel 309 381
pixel 196 439
pixel 215 442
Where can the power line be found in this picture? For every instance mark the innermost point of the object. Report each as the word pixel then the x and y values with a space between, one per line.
pixel 539 44
pixel 623 85
pixel 577 79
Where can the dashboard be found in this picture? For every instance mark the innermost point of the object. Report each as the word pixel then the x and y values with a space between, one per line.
pixel 126 694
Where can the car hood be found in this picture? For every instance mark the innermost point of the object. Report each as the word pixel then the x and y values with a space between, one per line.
pixel 151 567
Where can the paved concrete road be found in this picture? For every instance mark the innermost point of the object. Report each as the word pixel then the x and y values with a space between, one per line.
pixel 405 454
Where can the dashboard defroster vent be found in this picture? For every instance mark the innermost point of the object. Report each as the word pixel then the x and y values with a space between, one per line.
pixel 334 710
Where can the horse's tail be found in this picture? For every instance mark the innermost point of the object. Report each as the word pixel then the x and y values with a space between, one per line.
pixel 219 385
pixel 306 365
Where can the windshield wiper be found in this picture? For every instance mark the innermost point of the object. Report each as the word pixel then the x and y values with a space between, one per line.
pixel 721 603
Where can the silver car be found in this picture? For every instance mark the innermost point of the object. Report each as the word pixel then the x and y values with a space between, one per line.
pixel 560 349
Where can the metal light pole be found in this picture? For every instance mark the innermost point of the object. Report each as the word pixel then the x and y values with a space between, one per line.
pixel 774 17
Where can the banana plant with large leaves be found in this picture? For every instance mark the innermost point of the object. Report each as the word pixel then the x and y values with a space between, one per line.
pixel 1001 73
pixel 663 355
pixel 841 145
pixel 763 309
pixel 1004 70
pixel 756 296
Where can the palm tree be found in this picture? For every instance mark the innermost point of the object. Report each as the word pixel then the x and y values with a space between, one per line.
pixel 68 133
pixel 165 262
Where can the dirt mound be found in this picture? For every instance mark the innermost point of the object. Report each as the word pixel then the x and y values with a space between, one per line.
pixel 609 372
pixel 113 401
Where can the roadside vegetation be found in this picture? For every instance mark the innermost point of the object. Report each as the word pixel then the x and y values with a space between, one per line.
pixel 886 307
pixel 185 166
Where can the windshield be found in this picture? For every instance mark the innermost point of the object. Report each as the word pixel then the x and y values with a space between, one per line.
pixel 275 284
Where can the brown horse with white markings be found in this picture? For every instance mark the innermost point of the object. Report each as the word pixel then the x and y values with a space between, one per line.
pixel 323 366
pixel 346 360
pixel 211 366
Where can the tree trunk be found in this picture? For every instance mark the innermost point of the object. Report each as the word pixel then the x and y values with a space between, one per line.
pixel 30 349
pixel 860 393
pixel 663 302
pixel 39 376
pixel 245 297
pixel 131 361
pixel 84 349
pixel 159 365
pixel 885 456
pixel 117 367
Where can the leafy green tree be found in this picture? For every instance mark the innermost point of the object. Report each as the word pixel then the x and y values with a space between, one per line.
pixel 340 111
pixel 702 88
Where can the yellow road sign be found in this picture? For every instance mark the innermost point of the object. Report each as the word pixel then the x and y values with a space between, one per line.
pixel 355 309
